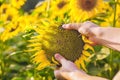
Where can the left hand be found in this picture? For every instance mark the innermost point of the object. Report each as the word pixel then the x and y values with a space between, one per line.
pixel 67 68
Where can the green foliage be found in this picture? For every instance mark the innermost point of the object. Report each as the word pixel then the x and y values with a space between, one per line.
pixel 103 63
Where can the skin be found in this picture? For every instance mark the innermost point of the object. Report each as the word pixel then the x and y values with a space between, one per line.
pixel 98 35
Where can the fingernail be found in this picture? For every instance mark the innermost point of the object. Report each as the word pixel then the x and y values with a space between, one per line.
pixel 57 55
pixel 64 25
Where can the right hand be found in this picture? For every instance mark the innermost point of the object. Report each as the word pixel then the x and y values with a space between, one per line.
pixel 88 29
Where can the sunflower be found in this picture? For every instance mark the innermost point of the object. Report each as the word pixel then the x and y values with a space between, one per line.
pixel 11 30
pixel 8 13
pixel 59 8
pixel 40 9
pixel 17 3
pixel 85 9
pixel 53 39
pixel 16 26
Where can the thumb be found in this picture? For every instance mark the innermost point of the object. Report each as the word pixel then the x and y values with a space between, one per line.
pixel 60 58
pixel 74 26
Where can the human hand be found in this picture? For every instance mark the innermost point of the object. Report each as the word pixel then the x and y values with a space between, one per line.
pixel 89 29
pixel 67 69
pixel 98 35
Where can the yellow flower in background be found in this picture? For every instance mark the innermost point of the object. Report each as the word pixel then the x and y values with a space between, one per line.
pixel 3 8
pixel 8 13
pixel 40 9
pixel 85 9
pixel 51 9
pixel 12 29
pixel 27 20
pixel 53 39
pixel 59 8
pixel 16 26
pixel 17 3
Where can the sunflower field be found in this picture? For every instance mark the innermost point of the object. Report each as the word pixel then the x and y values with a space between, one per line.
pixel 31 33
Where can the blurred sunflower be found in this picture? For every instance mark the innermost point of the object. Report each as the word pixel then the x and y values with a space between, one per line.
pixel 8 13
pixel 40 9
pixel 27 20
pixel 3 8
pixel 53 39
pixel 17 3
pixel 11 30
pixel 85 9
pixel 16 26
pixel 59 8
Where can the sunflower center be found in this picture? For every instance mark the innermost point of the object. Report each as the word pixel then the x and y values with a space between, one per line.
pixel 87 5
pixel 67 43
pixel 61 4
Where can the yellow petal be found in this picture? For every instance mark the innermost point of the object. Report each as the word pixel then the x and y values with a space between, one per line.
pixel 86 53
pixel 86 40
pixel 87 46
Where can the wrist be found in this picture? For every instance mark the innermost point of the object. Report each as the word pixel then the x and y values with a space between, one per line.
pixel 78 75
pixel 95 31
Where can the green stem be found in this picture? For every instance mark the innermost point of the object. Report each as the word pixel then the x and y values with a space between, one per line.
pixel 2 68
pixel 2 65
pixel 111 64
pixel 115 9
pixel 111 51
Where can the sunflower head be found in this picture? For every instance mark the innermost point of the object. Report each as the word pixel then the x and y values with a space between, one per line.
pixel 82 10
pixel 53 39
pixel 67 43
pixel 59 8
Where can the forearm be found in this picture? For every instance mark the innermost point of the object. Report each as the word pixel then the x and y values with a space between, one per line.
pixel 109 37
pixel 110 34
pixel 77 75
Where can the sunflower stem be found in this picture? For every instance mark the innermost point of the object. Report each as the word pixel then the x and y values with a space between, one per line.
pixel 111 64
pixel 111 51
pixel 115 9
pixel 2 64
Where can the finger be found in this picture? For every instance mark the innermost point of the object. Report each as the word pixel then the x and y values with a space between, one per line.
pixel 57 73
pixel 75 26
pixel 60 58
